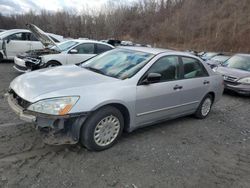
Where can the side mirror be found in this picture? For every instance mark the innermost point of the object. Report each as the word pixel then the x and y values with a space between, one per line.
pixel 152 78
pixel 8 40
pixel 73 51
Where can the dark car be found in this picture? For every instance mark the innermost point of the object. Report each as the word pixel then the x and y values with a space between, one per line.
pixel 236 73
pixel 217 60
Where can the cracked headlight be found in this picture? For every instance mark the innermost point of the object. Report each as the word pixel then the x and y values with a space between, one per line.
pixel 244 80
pixel 54 106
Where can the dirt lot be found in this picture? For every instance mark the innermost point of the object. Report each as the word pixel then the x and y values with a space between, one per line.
pixel 187 152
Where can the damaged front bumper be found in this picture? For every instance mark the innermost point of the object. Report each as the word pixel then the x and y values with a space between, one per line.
pixel 27 64
pixel 55 130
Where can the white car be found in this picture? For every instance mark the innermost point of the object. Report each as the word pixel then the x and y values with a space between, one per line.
pixel 68 52
pixel 15 41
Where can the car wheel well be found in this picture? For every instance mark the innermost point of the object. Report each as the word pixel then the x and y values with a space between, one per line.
pixel 53 61
pixel 123 109
pixel 1 56
pixel 212 95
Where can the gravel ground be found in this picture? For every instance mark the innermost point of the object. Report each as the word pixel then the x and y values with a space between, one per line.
pixel 186 152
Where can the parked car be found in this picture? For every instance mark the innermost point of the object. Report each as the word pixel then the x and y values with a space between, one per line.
pixel 127 43
pixel 68 52
pixel 122 89
pixel 208 55
pixel 236 73
pixel 1 30
pixel 15 41
pixel 217 60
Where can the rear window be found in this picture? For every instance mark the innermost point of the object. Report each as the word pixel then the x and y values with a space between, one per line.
pixel 193 68
pixel 100 48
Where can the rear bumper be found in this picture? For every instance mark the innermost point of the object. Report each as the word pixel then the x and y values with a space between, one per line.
pixel 242 89
pixel 55 130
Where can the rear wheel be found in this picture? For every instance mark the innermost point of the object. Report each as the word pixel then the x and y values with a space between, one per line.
pixel 204 107
pixel 102 129
pixel 53 64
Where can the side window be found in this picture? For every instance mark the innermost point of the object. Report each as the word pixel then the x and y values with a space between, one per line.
pixel 193 68
pixel 33 38
pixel 18 36
pixel 54 39
pixel 102 48
pixel 168 67
pixel 87 48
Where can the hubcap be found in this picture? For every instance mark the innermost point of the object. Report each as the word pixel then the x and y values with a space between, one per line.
pixel 106 130
pixel 206 107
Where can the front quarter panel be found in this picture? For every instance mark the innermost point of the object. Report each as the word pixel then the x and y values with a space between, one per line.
pixel 55 57
pixel 94 97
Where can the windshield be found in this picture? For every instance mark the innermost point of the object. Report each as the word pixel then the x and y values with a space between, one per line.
pixel 238 62
pixel 65 45
pixel 220 58
pixel 209 55
pixel 118 63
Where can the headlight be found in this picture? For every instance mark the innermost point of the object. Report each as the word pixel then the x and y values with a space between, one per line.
pixel 54 106
pixel 244 80
pixel 42 60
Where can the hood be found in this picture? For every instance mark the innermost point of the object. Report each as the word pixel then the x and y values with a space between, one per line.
pixel 41 35
pixel 236 73
pixel 31 85
pixel 37 53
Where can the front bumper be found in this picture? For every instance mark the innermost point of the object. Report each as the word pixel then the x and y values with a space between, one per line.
pixel 55 130
pixel 19 65
pixel 242 89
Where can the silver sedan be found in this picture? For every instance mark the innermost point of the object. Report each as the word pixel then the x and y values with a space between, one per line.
pixel 119 90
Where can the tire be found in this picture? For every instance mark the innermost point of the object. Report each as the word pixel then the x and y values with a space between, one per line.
pixel 1 57
pixel 97 125
pixel 204 107
pixel 52 64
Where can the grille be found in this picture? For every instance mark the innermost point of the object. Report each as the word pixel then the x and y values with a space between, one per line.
pixel 231 83
pixel 230 78
pixel 20 101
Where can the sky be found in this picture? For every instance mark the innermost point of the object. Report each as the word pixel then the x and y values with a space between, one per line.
pixel 8 7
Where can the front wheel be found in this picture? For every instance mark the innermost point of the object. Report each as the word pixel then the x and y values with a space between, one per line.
pixel 102 129
pixel 204 107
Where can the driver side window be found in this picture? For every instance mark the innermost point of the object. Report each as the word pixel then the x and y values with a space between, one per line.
pixel 168 67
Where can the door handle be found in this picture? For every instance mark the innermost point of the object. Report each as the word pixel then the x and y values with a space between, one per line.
pixel 177 87
pixel 206 82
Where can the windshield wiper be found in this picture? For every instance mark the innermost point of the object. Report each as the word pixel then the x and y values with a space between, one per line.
pixel 95 70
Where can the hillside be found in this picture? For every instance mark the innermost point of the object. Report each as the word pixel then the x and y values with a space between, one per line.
pixel 217 25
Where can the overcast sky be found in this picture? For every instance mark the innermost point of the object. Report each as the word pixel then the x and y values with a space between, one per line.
pixel 21 6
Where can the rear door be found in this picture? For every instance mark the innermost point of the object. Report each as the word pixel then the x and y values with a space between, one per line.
pixel 17 43
pixel 83 52
pixel 195 83
pixel 162 100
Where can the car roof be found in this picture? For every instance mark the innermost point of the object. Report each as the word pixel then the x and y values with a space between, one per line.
pixel 246 55
pixel 154 51
pixel 90 41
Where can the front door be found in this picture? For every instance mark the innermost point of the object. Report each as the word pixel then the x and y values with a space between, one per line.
pixel 162 100
pixel 81 53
